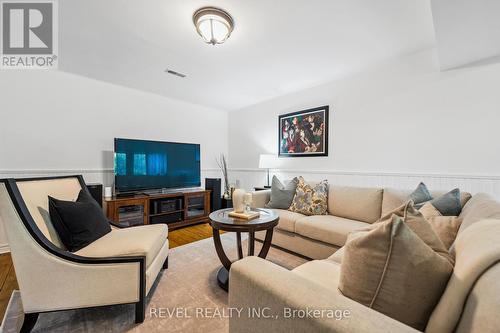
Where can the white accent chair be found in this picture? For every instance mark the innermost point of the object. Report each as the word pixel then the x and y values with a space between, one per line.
pixel 118 268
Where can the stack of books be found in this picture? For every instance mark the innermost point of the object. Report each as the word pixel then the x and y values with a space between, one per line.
pixel 245 215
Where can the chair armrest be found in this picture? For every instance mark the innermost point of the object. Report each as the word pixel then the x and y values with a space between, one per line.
pixel 255 283
pixel 73 281
pixel 260 198
pixel 115 225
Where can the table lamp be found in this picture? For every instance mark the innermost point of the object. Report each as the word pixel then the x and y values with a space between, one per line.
pixel 267 161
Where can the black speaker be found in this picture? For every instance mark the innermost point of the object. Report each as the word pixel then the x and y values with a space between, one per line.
pixel 214 184
pixel 96 192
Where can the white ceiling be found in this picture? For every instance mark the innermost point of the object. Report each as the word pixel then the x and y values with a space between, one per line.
pixel 277 47
pixel 467 31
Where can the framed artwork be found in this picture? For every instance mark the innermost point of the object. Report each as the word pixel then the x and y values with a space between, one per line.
pixel 304 133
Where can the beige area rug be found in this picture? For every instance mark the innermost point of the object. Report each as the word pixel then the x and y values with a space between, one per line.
pixel 14 316
pixel 189 285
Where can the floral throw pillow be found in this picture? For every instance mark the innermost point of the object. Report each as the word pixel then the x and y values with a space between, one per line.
pixel 310 200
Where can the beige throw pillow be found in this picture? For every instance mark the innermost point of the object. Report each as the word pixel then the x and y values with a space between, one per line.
pixel 390 269
pixel 428 211
pixel 418 224
pixel 446 227
pixel 309 200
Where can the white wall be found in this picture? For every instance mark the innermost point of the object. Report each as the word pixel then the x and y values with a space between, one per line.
pixel 389 126
pixel 403 118
pixel 58 123
pixel 56 120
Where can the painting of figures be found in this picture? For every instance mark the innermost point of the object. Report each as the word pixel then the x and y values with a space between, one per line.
pixel 304 133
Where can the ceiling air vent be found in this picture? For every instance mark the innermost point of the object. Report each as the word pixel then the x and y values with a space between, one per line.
pixel 169 71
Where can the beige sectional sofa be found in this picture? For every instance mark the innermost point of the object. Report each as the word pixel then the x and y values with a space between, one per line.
pixel 349 209
pixel 470 302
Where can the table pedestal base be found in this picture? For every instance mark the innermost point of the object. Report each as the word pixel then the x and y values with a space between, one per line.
pixel 223 278
pixel 219 220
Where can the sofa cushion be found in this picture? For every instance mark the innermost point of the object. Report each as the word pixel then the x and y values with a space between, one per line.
pixel 287 219
pixel 35 194
pixel 481 206
pixel 323 272
pixel 310 200
pixel 480 313
pixel 144 240
pixel 327 228
pixel 356 203
pixel 392 270
pixel 393 198
pixel 337 256
pixel 477 250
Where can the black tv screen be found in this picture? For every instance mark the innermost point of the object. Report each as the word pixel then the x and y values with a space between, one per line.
pixel 142 165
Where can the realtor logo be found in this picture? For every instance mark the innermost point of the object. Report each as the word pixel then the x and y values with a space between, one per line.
pixel 29 34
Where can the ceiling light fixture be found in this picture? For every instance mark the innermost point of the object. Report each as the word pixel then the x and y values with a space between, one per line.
pixel 214 25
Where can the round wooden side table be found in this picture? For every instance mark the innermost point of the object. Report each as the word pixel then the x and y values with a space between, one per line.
pixel 220 220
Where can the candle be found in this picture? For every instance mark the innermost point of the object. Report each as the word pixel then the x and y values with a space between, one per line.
pixel 248 198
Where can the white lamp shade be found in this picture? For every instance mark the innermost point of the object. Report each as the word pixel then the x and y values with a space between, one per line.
pixel 268 161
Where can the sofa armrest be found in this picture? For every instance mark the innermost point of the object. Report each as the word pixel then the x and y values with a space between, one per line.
pixel 260 198
pixel 257 286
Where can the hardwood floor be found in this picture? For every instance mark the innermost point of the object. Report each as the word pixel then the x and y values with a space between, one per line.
pixel 176 238
pixel 8 281
pixel 189 234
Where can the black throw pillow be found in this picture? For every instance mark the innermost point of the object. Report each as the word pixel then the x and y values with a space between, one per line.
pixel 78 223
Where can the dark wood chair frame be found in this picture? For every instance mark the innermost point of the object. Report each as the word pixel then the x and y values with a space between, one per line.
pixel 21 208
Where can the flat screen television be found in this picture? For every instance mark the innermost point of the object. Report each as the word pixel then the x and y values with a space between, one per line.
pixel 145 165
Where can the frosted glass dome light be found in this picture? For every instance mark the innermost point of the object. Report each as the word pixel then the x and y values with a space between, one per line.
pixel 214 25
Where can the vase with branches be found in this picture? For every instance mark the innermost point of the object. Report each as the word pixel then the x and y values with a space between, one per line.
pixel 222 163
